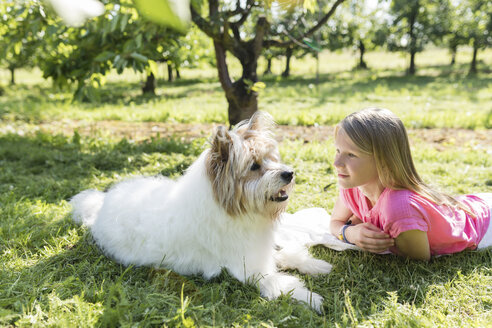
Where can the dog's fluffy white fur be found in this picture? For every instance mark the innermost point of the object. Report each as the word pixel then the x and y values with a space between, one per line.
pixel 221 213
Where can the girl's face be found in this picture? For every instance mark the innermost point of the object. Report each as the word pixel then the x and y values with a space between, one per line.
pixel 354 168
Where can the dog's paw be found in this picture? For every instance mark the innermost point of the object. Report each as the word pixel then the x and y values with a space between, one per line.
pixel 315 266
pixel 316 302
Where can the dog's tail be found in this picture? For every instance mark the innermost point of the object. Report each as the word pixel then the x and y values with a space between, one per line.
pixel 86 205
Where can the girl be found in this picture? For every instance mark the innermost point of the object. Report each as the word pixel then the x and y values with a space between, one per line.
pixel 384 205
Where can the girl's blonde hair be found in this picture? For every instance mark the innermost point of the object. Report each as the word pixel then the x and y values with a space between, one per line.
pixel 380 133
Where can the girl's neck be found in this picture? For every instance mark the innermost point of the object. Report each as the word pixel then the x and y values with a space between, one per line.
pixel 372 191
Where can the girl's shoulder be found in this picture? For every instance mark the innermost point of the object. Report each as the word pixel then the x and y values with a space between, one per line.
pixel 403 196
pixel 400 203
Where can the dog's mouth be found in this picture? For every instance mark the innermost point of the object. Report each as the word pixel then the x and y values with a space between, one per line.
pixel 281 196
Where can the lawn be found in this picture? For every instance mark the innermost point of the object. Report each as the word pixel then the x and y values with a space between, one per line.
pixel 51 148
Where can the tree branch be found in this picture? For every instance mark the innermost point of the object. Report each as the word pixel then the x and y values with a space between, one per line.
pixel 321 22
pixel 220 57
pixel 204 25
pixel 245 13
pixel 261 30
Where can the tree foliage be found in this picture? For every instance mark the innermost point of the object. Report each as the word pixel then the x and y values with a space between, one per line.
pixel 31 34
pixel 288 26
pixel 356 25
pixel 118 40
pixel 121 38
pixel 475 26
pixel 414 24
pixel 23 24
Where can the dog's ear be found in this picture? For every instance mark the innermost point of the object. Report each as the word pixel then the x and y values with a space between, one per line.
pixel 221 144
pixel 261 121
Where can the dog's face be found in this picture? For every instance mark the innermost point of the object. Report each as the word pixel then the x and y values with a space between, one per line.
pixel 245 170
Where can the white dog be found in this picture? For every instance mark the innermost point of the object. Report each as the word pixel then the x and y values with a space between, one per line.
pixel 220 214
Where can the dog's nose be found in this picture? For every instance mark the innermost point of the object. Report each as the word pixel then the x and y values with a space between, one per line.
pixel 287 176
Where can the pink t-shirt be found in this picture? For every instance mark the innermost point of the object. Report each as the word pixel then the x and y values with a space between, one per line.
pixel 449 230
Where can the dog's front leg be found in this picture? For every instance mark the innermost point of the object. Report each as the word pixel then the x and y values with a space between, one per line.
pixel 274 284
pixel 298 257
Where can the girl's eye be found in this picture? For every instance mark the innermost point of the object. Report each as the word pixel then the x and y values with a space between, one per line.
pixel 255 167
pixel 351 155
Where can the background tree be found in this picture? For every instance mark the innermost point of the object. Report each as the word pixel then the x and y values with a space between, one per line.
pixel 119 39
pixel 476 26
pixel 415 23
pixel 357 25
pixel 270 55
pixel 22 27
pixel 187 51
pixel 225 24
pixel 289 26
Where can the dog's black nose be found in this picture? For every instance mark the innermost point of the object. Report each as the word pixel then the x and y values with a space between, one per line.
pixel 287 176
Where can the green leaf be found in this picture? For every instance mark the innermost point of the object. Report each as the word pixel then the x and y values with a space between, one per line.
pixel 114 23
pixel 104 56
pixel 17 48
pixel 138 41
pixel 171 13
pixel 124 21
pixel 139 57
pixel 152 68
pixel 312 44
pixel 258 86
pixel 310 5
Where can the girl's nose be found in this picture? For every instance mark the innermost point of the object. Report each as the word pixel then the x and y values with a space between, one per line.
pixel 337 162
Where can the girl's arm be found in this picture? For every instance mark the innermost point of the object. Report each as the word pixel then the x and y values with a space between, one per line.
pixel 365 235
pixel 339 217
pixel 413 244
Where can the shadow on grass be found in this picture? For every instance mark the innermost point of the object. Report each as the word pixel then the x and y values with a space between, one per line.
pixel 368 278
pixel 27 102
pixel 37 174
pixel 126 93
pixel 53 168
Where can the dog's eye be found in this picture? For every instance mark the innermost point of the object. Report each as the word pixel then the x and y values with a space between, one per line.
pixel 255 167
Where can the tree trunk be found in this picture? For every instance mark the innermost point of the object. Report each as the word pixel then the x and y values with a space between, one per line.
pixel 178 76
pixel 454 50
pixel 170 77
pixel 413 39
pixel 412 69
pixel 150 84
pixel 473 65
pixel 12 75
pixel 269 67
pixel 288 56
pixel 243 101
pixel 362 51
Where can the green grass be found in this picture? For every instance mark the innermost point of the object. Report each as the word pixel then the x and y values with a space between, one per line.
pixel 438 96
pixel 52 274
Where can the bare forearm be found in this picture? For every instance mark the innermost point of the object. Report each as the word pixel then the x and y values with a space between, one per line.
pixel 336 225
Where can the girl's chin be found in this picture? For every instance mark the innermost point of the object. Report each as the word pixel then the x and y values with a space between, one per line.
pixel 345 184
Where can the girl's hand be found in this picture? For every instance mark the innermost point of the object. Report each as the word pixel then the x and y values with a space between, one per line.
pixel 369 237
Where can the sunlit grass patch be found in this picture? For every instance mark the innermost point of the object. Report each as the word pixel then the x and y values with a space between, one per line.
pixel 438 96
